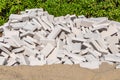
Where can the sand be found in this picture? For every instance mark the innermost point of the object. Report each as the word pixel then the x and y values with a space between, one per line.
pixel 58 72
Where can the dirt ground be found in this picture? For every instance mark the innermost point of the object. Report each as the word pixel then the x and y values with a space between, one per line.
pixel 58 72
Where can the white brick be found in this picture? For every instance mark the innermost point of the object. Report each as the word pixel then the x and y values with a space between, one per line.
pixel 26 33
pixel 34 61
pixel 54 33
pixel 4 54
pixel 53 61
pixel 62 35
pixel 45 19
pixel 102 43
pixel 100 26
pixel 113 48
pixel 60 53
pixel 18 17
pixel 77 22
pixel 45 41
pixel 23 60
pixel 17 40
pixel 68 48
pixel 71 35
pixel 45 26
pixel 75 61
pixel 10 42
pixel 58 62
pixel 2 60
pixel 76 31
pixel 30 27
pixel 75 56
pixel 117 54
pixel 47 49
pixel 60 44
pixel 112 57
pixel 5 45
pixel 113 39
pixel 11 62
pixel 64 28
pixel 90 65
pixel 18 25
pixel 29 45
pixel 83 30
pixel 27 40
pixel 78 39
pixel 67 61
pixel 4 49
pixel 69 40
pixel 86 44
pixel 31 39
pixel 53 55
pixel 18 50
pixel 118 66
pixel 76 47
pixel 99 20
pixel 51 18
pixel 95 45
pixel 111 30
pixel 94 53
pixel 1 39
pixel 86 22
pixel 39 36
pixel 7 33
pixel 28 51
pixel 37 23
pixel 82 52
pixel 91 58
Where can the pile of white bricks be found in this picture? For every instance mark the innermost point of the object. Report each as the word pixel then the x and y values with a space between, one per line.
pixel 35 37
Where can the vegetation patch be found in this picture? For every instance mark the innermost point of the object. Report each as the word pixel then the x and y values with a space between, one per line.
pixel 89 8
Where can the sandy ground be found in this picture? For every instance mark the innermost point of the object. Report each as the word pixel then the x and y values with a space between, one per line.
pixel 58 72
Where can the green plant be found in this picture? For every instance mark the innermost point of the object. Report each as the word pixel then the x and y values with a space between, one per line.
pixel 89 8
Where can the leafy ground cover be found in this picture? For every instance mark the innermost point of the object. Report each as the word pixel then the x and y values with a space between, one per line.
pixel 89 8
